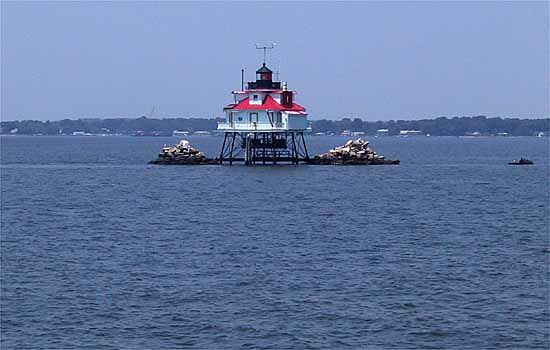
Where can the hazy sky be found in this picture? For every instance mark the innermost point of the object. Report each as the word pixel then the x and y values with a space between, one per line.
pixel 374 60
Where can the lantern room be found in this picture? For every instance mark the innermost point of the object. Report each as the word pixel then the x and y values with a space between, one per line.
pixel 264 79
pixel 264 74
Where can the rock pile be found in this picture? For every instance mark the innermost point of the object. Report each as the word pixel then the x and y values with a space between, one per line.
pixel 182 154
pixel 352 152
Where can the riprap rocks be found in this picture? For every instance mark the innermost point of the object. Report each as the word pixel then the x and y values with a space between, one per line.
pixel 353 152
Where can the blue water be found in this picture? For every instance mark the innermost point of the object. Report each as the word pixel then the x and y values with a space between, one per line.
pixel 449 250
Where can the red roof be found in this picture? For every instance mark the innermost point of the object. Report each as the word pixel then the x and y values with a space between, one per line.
pixel 268 104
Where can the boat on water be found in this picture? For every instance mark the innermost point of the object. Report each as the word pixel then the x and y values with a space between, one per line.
pixel 521 161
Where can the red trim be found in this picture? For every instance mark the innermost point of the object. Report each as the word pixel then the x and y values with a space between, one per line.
pixel 268 104
pixel 229 106
pixel 236 92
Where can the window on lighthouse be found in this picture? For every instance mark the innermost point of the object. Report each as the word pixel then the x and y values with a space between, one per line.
pixel 263 76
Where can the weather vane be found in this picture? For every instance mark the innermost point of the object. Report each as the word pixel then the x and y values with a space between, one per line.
pixel 265 48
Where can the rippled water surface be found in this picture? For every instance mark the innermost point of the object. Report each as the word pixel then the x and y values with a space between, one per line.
pixel 448 250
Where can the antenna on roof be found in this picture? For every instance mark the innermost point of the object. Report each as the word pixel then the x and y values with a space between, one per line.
pixel 265 48
pixel 278 70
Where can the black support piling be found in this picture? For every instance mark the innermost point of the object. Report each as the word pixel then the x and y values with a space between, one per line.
pixel 264 147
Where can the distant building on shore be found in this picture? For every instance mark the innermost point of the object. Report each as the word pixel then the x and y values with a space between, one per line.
pixel 382 132
pixel 410 133
pixel 81 133
pixel 180 133
pixel 473 134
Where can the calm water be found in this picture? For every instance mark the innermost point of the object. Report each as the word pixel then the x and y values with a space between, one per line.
pixel 449 250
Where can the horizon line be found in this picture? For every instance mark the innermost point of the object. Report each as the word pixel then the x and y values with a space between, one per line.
pixel 312 120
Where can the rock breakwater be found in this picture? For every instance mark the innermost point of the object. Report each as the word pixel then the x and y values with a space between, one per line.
pixel 182 154
pixel 353 152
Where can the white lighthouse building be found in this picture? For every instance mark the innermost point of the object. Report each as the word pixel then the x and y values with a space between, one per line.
pixel 264 125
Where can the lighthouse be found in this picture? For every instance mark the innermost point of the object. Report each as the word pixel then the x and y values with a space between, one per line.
pixel 264 125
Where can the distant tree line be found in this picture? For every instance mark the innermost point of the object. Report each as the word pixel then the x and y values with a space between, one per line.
pixel 125 126
pixel 443 126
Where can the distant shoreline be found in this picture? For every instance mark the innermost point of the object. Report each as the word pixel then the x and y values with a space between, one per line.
pixel 457 126
pixel 217 134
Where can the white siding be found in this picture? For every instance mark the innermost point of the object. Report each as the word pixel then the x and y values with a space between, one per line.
pixel 260 120
pixel 296 121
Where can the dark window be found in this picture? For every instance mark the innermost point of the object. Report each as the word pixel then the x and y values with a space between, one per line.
pixel 255 97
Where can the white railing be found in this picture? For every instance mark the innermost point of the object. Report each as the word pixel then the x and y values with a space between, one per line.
pixel 252 126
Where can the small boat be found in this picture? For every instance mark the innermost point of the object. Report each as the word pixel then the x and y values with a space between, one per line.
pixel 521 161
